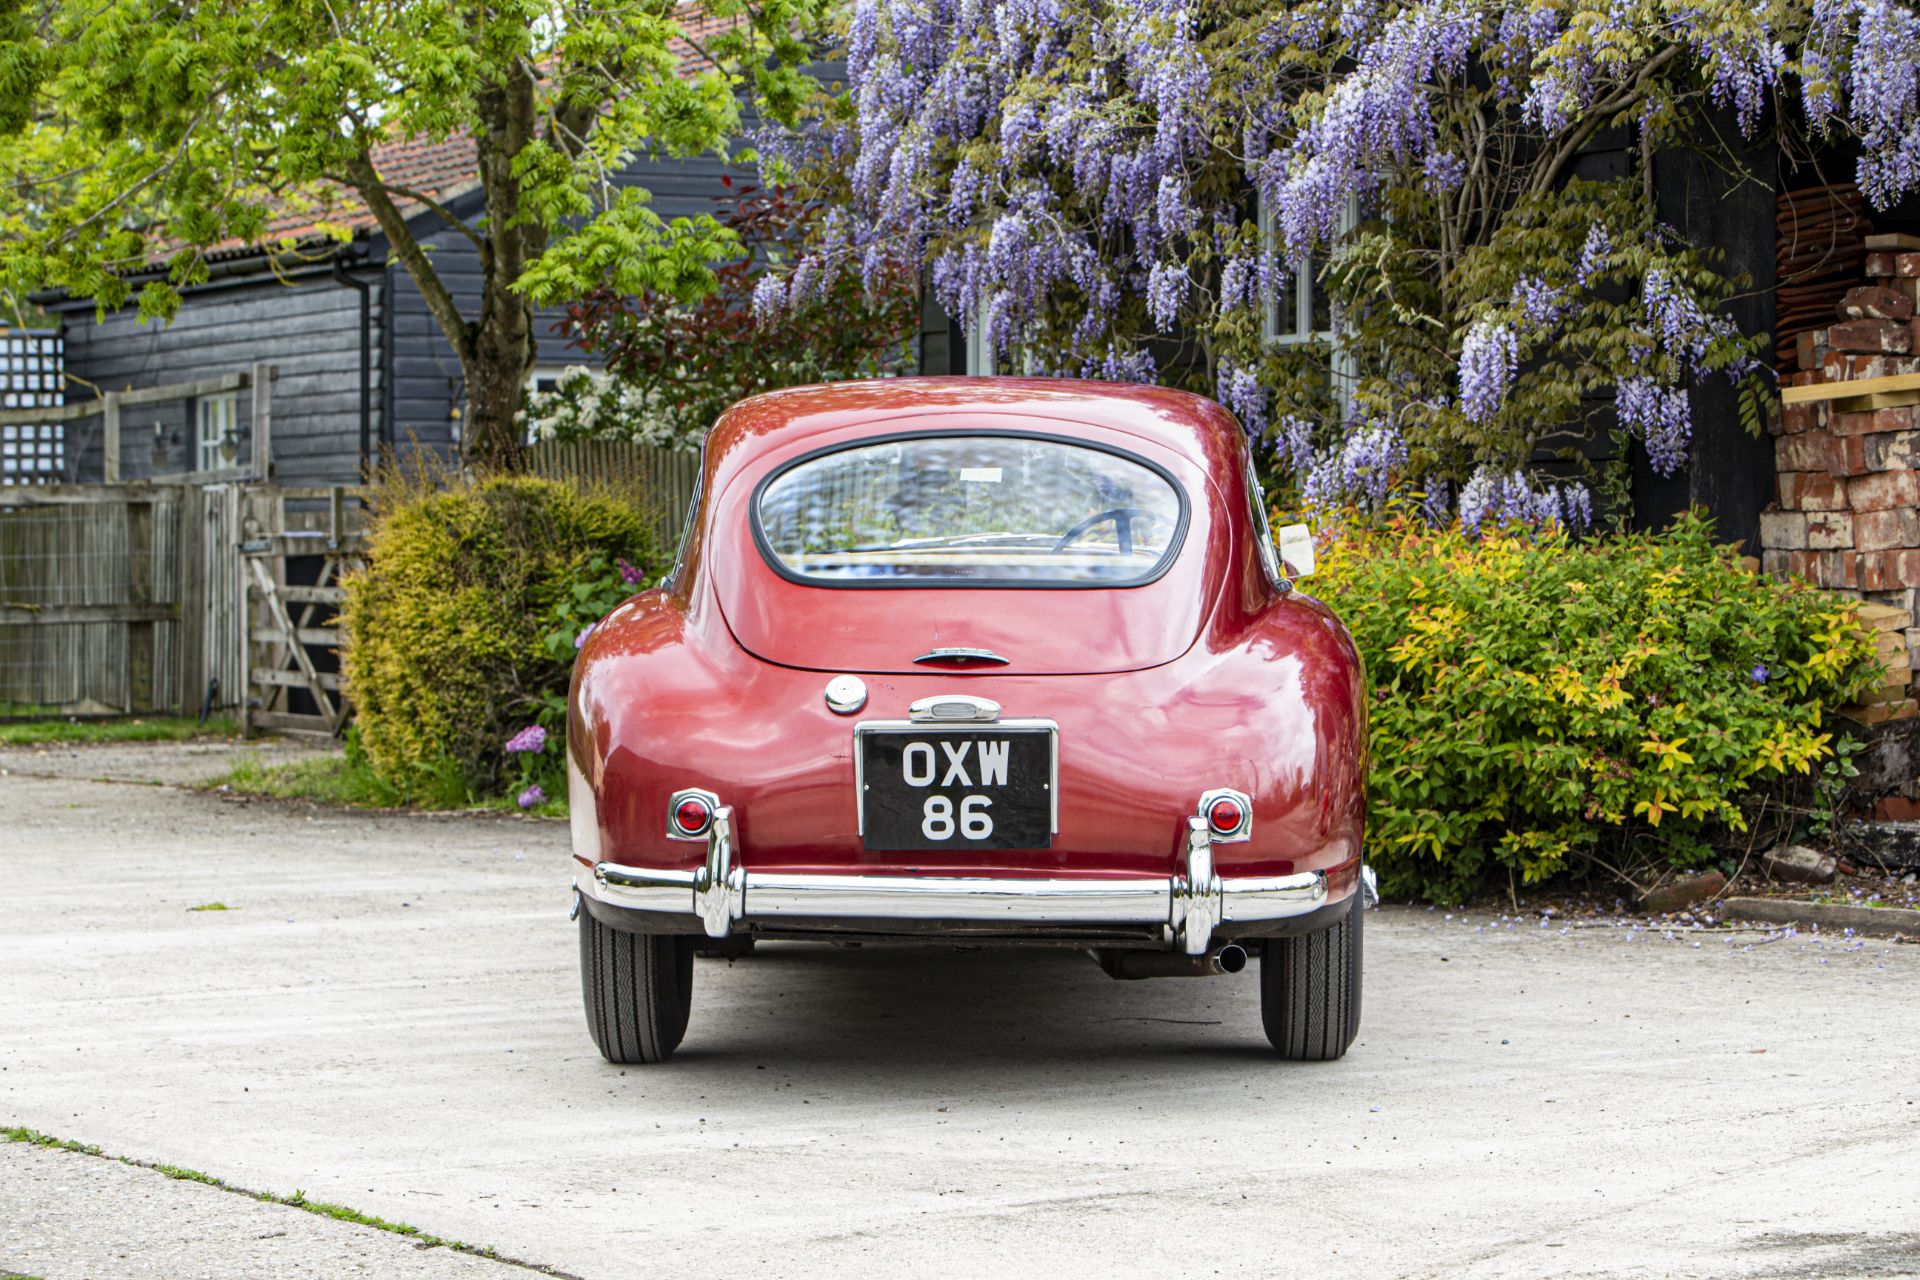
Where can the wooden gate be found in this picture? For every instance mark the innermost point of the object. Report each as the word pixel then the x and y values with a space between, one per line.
pixel 296 545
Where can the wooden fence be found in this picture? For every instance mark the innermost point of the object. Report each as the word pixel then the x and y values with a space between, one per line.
pixel 89 600
pixel 666 478
pixel 148 597
pixel 212 590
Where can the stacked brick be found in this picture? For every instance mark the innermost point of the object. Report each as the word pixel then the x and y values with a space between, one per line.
pixel 1848 515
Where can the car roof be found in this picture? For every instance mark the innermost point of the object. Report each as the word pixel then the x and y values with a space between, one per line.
pixel 1180 421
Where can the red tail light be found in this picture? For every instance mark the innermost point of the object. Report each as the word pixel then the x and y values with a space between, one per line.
pixel 692 816
pixel 1225 816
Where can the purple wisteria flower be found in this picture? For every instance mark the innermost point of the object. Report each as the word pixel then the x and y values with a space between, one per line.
pixel 529 741
pixel 1660 416
pixel 1239 285
pixel 580 638
pixel 1882 83
pixel 1293 441
pixel 1243 395
pixel 629 574
pixel 1361 471
pixel 769 295
pixel 1494 498
pixel 1539 303
pixel 1594 255
pixel 1125 366
pixel 1166 293
pixel 1444 171
pixel 1374 118
pixel 533 795
pixel 1488 356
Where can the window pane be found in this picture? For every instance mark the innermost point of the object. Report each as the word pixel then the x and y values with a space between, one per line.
pixel 1322 305
pixel 971 510
pixel 1286 307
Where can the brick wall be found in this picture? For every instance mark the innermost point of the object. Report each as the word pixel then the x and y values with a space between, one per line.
pixel 1847 514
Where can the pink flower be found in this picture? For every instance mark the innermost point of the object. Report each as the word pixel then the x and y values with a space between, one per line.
pixel 531 741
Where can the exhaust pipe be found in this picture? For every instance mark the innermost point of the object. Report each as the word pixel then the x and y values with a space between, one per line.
pixel 1128 965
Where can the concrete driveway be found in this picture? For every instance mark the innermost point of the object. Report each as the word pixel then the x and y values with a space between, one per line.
pixel 388 1018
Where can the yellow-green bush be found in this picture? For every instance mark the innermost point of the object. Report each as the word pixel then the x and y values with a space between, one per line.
pixel 446 630
pixel 1541 702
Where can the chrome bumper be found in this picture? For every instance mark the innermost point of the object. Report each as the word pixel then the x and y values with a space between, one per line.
pixel 1191 906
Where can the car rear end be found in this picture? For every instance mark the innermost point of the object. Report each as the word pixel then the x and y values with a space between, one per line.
pixel 990 676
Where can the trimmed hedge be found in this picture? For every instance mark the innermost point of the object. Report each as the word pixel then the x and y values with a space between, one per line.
pixel 446 650
pixel 1541 703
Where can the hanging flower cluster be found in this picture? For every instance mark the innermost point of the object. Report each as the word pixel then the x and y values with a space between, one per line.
pixel 1491 498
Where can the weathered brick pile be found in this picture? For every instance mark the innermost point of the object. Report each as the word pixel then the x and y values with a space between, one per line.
pixel 1848 516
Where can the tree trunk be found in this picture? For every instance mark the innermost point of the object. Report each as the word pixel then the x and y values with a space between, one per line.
pixel 496 367
pixel 503 346
pixel 496 349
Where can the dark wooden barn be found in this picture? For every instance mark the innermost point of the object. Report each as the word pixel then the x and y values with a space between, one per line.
pixel 361 363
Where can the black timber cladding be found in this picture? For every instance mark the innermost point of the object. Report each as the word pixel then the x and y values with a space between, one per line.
pixel 308 326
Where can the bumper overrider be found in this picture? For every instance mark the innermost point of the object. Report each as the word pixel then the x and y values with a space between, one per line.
pixel 1192 906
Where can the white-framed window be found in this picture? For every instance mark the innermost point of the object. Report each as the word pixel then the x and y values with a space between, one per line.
pixel 32 454
pixel 545 378
pixel 31 378
pixel 1298 312
pixel 980 346
pixel 215 419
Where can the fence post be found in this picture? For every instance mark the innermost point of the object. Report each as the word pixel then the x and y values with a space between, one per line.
pixel 262 421
pixel 110 435
pixel 243 605
pixel 140 591
pixel 190 589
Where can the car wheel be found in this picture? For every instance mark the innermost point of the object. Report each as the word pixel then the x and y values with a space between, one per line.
pixel 1310 990
pixel 638 989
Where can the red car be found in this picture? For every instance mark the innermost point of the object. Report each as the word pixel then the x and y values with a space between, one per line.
pixel 991 660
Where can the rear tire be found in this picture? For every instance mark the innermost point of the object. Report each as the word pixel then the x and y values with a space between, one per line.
pixel 1310 990
pixel 638 989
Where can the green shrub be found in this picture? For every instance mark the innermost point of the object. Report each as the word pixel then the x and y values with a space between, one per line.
pixel 1542 703
pixel 446 631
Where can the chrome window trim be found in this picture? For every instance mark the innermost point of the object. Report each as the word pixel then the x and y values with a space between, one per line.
pixel 1049 727
pixel 1263 526
pixel 672 580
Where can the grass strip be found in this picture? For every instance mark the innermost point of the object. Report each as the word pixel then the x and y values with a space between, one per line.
pixel 352 782
pixel 29 733
pixel 298 1200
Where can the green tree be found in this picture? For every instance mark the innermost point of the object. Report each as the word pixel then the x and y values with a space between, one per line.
pixel 135 135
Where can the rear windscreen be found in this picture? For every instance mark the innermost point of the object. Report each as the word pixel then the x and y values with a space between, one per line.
pixel 980 510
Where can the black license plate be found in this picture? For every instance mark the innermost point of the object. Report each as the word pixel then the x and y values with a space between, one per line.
pixel 950 787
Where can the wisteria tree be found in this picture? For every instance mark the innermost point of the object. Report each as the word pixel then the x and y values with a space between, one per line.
pixel 1121 188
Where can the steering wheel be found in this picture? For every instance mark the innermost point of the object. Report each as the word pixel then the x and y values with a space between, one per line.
pixel 1122 517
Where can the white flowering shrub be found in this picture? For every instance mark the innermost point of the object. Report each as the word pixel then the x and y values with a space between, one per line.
pixel 585 404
